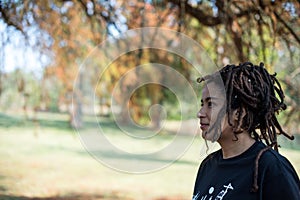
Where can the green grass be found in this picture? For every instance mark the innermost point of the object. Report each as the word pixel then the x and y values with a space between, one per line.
pixel 46 160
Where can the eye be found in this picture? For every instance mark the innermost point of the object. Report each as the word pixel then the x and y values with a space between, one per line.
pixel 210 104
pixel 202 103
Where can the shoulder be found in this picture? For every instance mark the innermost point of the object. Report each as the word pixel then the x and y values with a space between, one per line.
pixel 275 172
pixel 275 166
pixel 273 160
pixel 212 158
pixel 270 157
pixel 208 166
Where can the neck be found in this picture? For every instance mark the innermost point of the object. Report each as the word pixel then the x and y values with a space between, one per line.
pixel 232 147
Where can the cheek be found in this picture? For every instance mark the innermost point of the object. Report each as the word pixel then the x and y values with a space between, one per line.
pixel 225 126
pixel 208 114
pixel 214 114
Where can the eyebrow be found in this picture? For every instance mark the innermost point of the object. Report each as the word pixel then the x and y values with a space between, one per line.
pixel 208 99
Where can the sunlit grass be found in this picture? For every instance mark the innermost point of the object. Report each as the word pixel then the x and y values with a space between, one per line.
pixel 48 161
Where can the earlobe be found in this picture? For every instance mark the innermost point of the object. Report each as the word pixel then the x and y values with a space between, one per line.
pixel 238 116
pixel 239 113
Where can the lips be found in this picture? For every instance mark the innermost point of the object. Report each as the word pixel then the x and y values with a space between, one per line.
pixel 204 126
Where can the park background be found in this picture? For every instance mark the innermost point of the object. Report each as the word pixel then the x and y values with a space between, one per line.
pixel 43 44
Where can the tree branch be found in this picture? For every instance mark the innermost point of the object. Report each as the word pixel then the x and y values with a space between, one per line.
pixel 287 26
pixel 8 20
pixel 199 14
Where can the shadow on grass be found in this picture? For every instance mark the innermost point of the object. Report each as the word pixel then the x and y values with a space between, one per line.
pixel 9 121
pixel 69 197
pixel 61 121
pixel 82 197
pixel 50 120
pixel 140 158
pixel 20 121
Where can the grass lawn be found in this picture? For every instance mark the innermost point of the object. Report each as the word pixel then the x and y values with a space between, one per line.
pixel 46 160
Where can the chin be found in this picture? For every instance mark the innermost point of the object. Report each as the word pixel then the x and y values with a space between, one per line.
pixel 209 136
pixel 206 135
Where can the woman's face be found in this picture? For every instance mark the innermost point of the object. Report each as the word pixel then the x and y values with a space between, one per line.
pixel 213 120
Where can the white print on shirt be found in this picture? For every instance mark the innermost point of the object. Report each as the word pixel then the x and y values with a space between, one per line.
pixel 220 195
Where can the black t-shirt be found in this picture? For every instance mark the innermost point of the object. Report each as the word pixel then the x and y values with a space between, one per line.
pixel 232 178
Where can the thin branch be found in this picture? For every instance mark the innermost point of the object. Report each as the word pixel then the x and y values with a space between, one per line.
pixel 261 37
pixel 287 26
pixel 8 20
pixel 199 14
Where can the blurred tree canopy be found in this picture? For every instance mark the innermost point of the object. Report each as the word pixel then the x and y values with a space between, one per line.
pixel 231 31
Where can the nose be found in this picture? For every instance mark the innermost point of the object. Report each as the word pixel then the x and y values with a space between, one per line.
pixel 200 113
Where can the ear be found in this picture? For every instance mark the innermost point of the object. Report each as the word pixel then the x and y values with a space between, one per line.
pixel 237 112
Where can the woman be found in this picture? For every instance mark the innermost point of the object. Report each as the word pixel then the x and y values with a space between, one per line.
pixel 239 108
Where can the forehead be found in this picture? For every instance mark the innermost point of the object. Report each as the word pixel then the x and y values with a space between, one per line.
pixel 213 90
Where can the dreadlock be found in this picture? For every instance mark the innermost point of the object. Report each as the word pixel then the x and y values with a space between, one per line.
pixel 252 88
